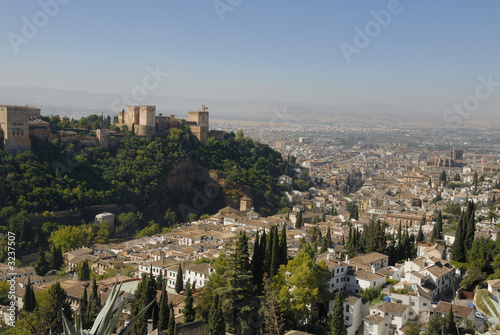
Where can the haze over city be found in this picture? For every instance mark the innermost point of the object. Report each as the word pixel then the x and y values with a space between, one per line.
pixel 409 57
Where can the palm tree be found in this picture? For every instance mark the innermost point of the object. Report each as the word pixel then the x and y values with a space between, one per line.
pixel 492 216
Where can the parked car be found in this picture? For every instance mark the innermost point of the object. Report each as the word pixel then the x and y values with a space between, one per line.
pixel 480 315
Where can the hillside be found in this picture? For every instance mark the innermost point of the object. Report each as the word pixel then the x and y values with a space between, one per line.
pixel 154 176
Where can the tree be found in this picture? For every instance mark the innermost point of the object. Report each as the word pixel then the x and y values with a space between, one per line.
pixel 442 178
pixel 171 323
pixel 216 324
pixel 438 228
pixel 337 326
pixel 188 311
pixel 420 236
pixel 94 301
pixel 458 250
pixel 283 248
pixel 272 317
pixel 29 298
pixel 412 329
pixel 300 284
pixel 170 218
pixel 275 254
pixel 143 296
pixel 84 271
pixel 164 314
pixel 257 262
pixel 492 216
pixel 469 225
pixel 56 259
pixel 179 284
pixel 42 265
pixel 57 302
pixel 84 305
pixel 450 327
pixel 240 135
pixel 298 220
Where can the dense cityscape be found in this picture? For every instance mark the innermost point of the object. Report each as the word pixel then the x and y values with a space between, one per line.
pixel 233 167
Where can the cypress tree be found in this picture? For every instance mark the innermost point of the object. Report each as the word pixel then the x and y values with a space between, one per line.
pixel 159 281
pixel 324 247
pixel 337 326
pixel 470 226
pixel 256 260
pixel 262 255
pixel 42 265
pixel 458 250
pixel 216 323
pixel 242 255
pixel 179 284
pixel 29 297
pixel 95 298
pixel 283 256
pixel 84 271
pixel 329 236
pixel 438 228
pixel 56 258
pixel 274 254
pixel 298 220
pixel 269 251
pixel 84 306
pixel 164 314
pixel 171 321
pixel 188 311
pixel 450 326
pixel 323 217
pixel 420 236
pixel 412 248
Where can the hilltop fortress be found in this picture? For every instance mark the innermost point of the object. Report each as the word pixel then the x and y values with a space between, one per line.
pixel 143 121
pixel 18 124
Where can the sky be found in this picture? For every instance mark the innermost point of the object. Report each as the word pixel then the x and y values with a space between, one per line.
pixel 420 55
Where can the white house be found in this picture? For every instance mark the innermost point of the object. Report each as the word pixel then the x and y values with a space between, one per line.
pixel 440 275
pixel 386 317
pixel 449 237
pixel 371 260
pixel 416 298
pixel 363 278
pixel 353 311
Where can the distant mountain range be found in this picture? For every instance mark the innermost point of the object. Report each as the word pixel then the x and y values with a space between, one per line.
pixel 80 103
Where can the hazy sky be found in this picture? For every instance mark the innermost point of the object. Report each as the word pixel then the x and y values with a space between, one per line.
pixel 426 56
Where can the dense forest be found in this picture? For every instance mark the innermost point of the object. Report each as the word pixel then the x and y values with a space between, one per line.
pixel 160 176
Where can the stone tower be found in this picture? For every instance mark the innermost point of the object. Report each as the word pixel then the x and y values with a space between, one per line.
pixel 199 123
pixel 14 123
pixel 246 204
pixel 147 120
